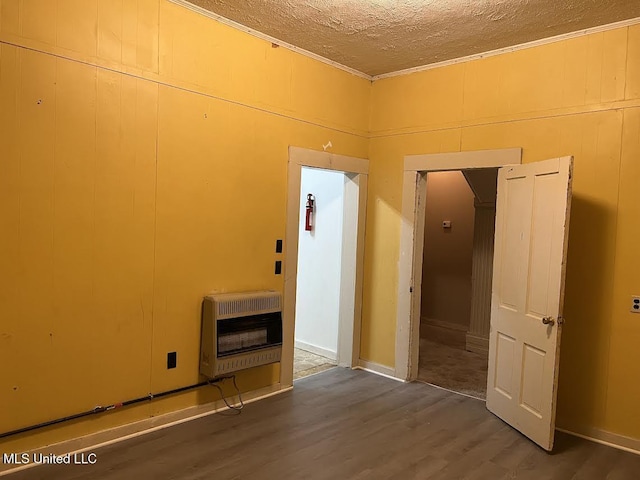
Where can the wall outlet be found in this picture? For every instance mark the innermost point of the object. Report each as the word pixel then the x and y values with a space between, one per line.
pixel 172 360
pixel 635 304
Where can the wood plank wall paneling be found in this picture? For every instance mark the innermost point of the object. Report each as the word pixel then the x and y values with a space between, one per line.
pixel 482 272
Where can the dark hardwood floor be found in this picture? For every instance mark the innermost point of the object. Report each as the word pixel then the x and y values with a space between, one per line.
pixel 343 424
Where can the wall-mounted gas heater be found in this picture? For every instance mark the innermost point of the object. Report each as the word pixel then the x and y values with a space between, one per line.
pixel 240 330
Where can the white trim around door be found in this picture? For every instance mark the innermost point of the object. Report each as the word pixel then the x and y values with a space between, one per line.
pixel 357 169
pixel 414 190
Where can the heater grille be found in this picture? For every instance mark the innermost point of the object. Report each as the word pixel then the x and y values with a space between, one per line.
pixel 241 305
pixel 240 362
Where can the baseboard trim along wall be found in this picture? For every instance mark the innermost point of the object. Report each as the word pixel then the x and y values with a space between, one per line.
pixel 434 322
pixel 477 344
pixel 142 427
pixel 330 354
pixel 609 439
pixel 382 370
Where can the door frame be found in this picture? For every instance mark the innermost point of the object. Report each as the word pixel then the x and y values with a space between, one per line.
pixel 358 170
pixel 414 194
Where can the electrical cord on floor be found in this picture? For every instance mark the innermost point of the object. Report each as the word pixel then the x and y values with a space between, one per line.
pixel 214 383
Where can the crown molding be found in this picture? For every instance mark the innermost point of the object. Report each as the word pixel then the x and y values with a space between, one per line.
pixel 513 48
pixel 407 71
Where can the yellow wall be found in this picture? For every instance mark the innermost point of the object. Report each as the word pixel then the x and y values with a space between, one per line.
pixel 578 97
pixel 137 138
pixel 143 164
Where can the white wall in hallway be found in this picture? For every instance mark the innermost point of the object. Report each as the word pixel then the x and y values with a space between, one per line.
pixel 319 263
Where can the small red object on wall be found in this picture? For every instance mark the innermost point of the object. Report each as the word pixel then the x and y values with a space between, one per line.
pixel 308 224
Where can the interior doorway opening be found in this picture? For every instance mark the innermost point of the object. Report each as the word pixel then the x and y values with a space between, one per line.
pixel 459 230
pixel 346 278
pixel 326 273
pixel 528 281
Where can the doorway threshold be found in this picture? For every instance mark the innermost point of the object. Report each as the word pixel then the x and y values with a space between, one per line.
pixel 306 363
pixel 449 390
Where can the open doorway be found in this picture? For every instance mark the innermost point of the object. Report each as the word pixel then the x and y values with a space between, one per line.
pixel 459 229
pixel 326 247
pixel 323 266
pixel 414 191
pixel 528 275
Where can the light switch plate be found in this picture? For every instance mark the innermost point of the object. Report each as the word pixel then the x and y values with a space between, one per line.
pixel 635 304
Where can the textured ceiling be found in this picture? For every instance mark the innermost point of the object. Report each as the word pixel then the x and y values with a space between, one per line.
pixel 381 36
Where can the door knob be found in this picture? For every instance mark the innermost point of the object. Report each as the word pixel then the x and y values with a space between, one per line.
pixel 548 321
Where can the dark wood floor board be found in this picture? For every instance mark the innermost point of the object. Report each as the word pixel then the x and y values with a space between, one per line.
pixel 470 458
pixel 486 471
pixel 315 432
pixel 324 443
pixel 624 467
pixel 439 415
pixel 305 431
pixel 598 465
pixel 406 465
pixel 343 424
pixel 559 466
pixel 476 434
pixel 515 453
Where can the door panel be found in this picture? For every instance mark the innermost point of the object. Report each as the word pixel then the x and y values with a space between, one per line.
pixel 516 203
pixel 544 244
pixel 504 365
pixel 532 215
pixel 532 379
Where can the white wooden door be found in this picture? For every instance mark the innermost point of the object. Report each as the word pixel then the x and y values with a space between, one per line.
pixel 532 226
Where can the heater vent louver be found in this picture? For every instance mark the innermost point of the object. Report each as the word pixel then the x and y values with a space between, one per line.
pixel 250 304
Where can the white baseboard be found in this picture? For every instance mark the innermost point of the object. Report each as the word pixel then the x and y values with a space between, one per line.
pixel 378 369
pixel 142 427
pixel 609 439
pixel 330 354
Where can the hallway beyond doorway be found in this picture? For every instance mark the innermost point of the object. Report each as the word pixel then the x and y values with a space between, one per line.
pixel 453 368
